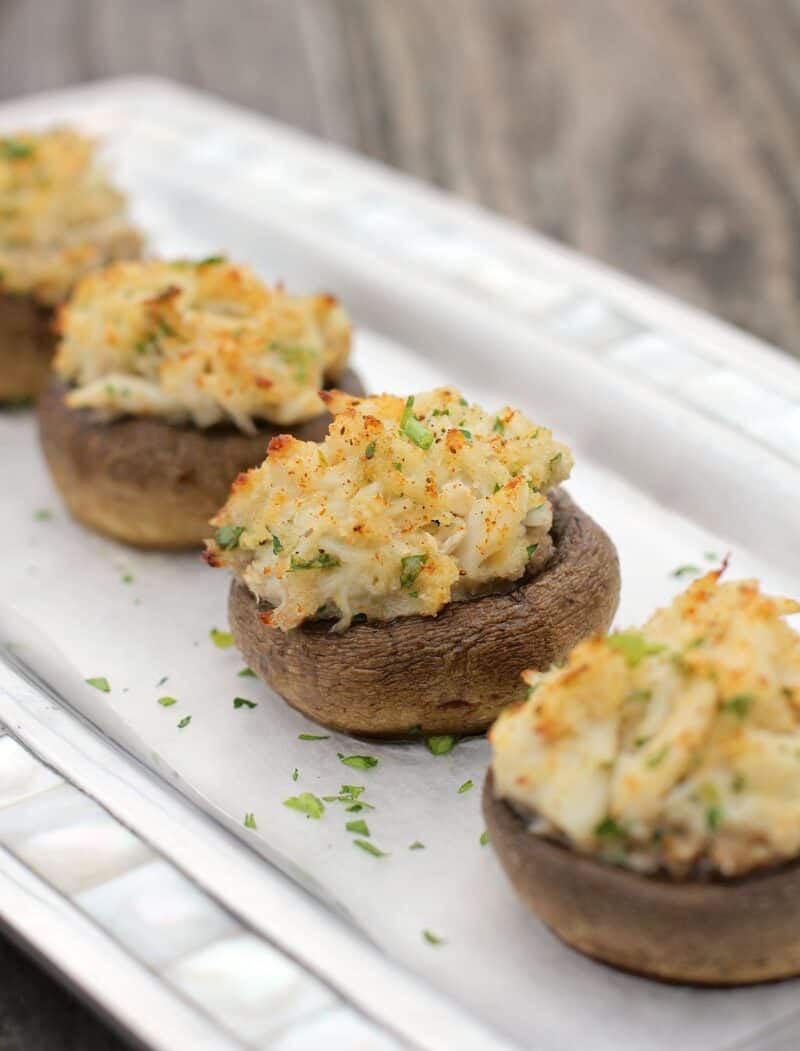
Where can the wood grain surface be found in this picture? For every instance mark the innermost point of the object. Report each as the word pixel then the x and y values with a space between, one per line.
pixel 658 135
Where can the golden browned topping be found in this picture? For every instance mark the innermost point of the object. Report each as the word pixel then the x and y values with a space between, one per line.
pixel 60 217
pixel 676 746
pixel 406 505
pixel 203 341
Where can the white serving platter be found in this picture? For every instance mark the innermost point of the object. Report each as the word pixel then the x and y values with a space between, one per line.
pixel 122 846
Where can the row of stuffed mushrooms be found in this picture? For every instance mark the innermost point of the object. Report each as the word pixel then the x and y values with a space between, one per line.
pixel 644 784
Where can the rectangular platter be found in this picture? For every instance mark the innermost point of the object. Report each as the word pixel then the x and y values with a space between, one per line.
pixel 122 845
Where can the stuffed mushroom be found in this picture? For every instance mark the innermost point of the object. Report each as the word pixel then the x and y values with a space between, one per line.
pixel 645 799
pixel 395 578
pixel 170 379
pixel 60 218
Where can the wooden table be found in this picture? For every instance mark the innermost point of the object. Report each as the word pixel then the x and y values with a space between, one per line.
pixel 658 135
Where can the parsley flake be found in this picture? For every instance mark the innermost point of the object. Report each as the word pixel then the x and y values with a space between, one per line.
pixel 321 561
pixel 739 705
pixel 306 803
pixel 167 702
pixel 466 787
pixel 416 845
pixel 223 640
pixel 431 938
pixel 100 683
pixel 295 774
pixel 43 515
pixel 686 571
pixel 358 762
pixel 411 567
pixel 313 737
pixel 609 829
pixel 531 548
pixel 250 821
pixel 184 722
pixel 242 702
pixel 440 744
pixel 370 848
pixel 246 673
pixel 227 537
pixel 484 837
pixel 415 431
pixel 633 646
pixel 15 150
pixel 369 452
pixel 359 826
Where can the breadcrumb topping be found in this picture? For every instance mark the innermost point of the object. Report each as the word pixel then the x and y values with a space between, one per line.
pixel 405 506
pixel 675 747
pixel 60 217
pixel 204 341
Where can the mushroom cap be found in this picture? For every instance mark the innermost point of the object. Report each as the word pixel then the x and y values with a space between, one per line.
pixel 27 344
pixel 448 674
pixel 715 932
pixel 148 482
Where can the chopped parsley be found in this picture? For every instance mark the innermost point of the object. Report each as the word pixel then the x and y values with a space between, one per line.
pixel 313 737
pixel 295 774
pixel 321 561
pixel 498 426
pixel 633 646
pixel 167 702
pixel 250 821
pixel 246 673
pixel 711 556
pixel 686 571
pixel 162 680
pixel 358 762
pixel 410 426
pixel 411 567
pixel 440 744
pixel 739 782
pixel 184 722
pixel 416 845
pixel 484 837
pixel 43 515
pixel 369 452
pixel 347 794
pixel 227 537
pixel 14 150
pixel 463 401
pixel 713 817
pixel 531 548
pixel 306 803
pixel 466 786
pixel 657 757
pixel 212 260
pixel 639 695
pixel 223 640
pixel 359 827
pixel 242 702
pixel 100 683
pixel 431 938
pixel 370 848
pixel 127 578
pixel 467 434
pixel 739 705
pixel 609 829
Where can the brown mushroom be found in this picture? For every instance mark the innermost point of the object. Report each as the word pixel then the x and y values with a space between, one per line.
pixel 148 482
pixel 447 674
pixel 27 344
pixel 714 932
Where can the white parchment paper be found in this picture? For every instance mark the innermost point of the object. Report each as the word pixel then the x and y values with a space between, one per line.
pixel 495 958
